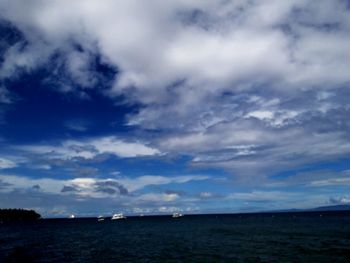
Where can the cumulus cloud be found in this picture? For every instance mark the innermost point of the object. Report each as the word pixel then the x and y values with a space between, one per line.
pixel 93 194
pixel 215 42
pixel 97 187
pixel 343 200
pixel 249 85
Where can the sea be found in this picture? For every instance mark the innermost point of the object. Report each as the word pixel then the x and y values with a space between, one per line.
pixel 266 237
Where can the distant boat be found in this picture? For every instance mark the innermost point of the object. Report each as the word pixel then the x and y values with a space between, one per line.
pixel 176 215
pixel 71 216
pixel 118 216
pixel 100 218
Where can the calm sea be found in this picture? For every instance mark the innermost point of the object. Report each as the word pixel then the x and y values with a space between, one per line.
pixel 287 237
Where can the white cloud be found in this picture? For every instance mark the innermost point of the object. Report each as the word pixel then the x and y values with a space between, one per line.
pixel 240 42
pixel 41 167
pixel 240 80
pixel 121 148
pixel 153 197
pixel 206 194
pixel 261 114
pixel 90 148
pixel 6 164
pixel 61 197
pixel 315 179
pixel 169 209
pixel 89 187
pixel 330 182
pixel 142 181
pixel 342 200
pixel 20 182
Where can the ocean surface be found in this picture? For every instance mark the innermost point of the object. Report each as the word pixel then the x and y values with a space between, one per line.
pixel 283 237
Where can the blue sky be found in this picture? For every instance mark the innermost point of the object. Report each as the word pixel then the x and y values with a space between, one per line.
pixel 192 106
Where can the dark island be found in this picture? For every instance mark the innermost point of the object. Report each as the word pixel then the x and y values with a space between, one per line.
pixel 9 215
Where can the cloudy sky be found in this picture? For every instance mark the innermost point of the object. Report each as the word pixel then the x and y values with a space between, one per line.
pixel 157 106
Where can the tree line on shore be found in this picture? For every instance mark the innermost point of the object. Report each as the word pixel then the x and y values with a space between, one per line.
pixel 18 215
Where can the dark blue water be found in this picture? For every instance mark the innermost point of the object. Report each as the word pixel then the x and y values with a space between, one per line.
pixel 298 237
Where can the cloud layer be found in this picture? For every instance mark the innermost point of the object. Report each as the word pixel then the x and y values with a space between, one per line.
pixel 251 87
pixel 122 193
pixel 238 79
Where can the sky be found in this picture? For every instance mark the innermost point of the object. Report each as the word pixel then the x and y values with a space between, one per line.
pixel 155 107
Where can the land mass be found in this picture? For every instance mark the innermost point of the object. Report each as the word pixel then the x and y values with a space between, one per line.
pixel 318 209
pixel 332 208
pixel 7 215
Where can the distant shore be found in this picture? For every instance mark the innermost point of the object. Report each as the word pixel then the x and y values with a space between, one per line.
pixel 243 214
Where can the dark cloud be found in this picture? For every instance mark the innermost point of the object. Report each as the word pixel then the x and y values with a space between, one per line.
pixel 111 187
pixel 84 148
pixel 68 188
pixel 4 185
pixel 36 187
pixel 107 190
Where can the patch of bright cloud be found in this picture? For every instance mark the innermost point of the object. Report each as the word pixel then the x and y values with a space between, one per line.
pixel 206 194
pixel 153 197
pixel 143 181
pixel 89 149
pixel 342 200
pixel 330 182
pixel 6 164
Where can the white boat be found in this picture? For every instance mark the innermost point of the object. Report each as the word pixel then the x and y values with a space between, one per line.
pixel 176 215
pixel 71 216
pixel 100 218
pixel 118 216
